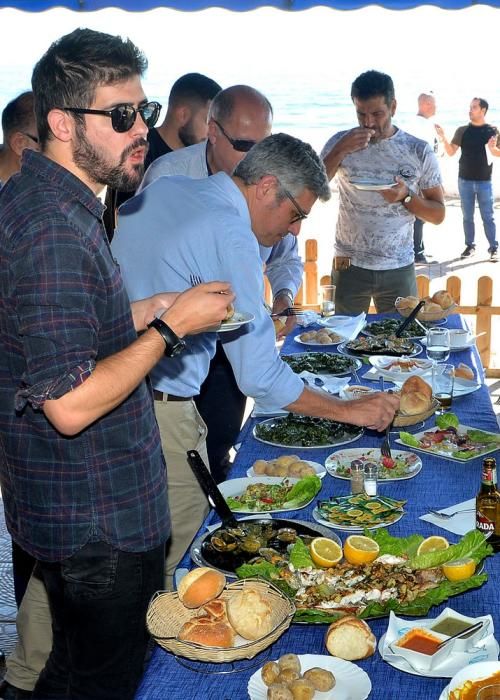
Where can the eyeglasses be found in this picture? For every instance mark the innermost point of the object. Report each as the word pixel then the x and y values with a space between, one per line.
pixel 242 145
pixel 123 116
pixel 301 215
pixel 30 136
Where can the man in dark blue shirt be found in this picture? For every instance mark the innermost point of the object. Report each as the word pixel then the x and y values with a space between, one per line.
pixel 82 473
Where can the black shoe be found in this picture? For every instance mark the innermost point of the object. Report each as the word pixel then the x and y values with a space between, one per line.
pixel 9 692
pixel 469 251
pixel 493 254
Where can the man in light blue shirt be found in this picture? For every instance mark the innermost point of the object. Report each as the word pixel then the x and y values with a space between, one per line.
pixel 177 229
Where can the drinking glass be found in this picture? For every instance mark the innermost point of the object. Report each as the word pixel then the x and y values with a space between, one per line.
pixel 490 692
pixel 328 299
pixel 438 344
pixel 443 377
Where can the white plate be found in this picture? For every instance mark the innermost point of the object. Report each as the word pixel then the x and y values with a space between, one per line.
pixel 457 660
pixel 437 452
pixel 353 528
pixel 318 468
pixel 235 487
pixel 417 349
pixel 371 186
pixel 318 345
pixel 334 321
pixel 346 456
pixel 382 361
pixel 483 669
pixel 454 348
pixel 270 421
pixel 462 387
pixel 239 318
pixel 352 683
pixel 355 391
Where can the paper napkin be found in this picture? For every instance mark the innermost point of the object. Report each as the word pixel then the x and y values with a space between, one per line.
pixel 460 523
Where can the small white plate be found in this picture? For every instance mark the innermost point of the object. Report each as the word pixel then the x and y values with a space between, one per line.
pixel 371 186
pixel 239 318
pixel 343 458
pixel 235 487
pixel 454 348
pixel 354 528
pixel 334 321
pixel 463 387
pixel 352 683
pixel 381 362
pixel 318 468
pixel 457 660
pixel 312 343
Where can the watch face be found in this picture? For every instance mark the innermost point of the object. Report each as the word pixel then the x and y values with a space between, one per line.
pixel 177 348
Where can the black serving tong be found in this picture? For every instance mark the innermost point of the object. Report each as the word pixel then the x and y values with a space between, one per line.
pixel 408 320
pixel 209 486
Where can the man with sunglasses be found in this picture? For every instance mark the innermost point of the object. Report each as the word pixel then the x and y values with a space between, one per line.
pixel 82 472
pixel 239 117
pixel 19 132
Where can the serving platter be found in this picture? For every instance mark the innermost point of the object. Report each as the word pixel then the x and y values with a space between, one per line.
pixel 407 466
pixel 355 513
pixel 238 319
pixel 392 367
pixel 326 364
pixel 236 487
pixel 318 468
pixel 386 347
pixel 448 451
pixel 346 433
pixel 387 327
pixel 352 683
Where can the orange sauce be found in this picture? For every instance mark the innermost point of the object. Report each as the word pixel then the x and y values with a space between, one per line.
pixel 470 689
pixel 421 641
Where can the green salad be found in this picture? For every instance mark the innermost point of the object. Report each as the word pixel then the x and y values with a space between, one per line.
pixel 260 497
pixel 324 362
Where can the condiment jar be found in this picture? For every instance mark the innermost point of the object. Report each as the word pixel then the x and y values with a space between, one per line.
pixel 357 476
pixel 370 478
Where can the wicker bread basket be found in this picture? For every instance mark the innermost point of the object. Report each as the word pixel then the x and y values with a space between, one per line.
pixel 400 420
pixel 422 315
pixel 166 615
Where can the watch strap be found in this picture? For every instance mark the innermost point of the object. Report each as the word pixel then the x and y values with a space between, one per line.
pixel 285 292
pixel 173 344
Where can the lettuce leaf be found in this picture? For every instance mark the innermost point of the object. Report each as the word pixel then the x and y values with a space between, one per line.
pixel 398 546
pixel 409 439
pixel 473 545
pixel 480 436
pixel 303 491
pixel 447 420
pixel 300 556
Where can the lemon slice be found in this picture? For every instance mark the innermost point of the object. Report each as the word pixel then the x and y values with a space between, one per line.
pixel 354 512
pixel 432 544
pixel 325 552
pixel 460 569
pixel 359 549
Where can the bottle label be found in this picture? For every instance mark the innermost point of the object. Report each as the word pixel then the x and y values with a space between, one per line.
pixel 484 524
pixel 489 475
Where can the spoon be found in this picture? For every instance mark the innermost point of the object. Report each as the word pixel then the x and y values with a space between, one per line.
pixel 472 628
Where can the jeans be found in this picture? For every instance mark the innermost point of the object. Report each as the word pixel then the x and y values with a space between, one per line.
pixel 98 599
pixel 469 190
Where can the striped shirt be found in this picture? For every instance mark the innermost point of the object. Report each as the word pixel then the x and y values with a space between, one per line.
pixel 63 308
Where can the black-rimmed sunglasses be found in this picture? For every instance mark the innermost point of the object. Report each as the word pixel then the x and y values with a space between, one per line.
pixel 301 215
pixel 123 116
pixel 242 145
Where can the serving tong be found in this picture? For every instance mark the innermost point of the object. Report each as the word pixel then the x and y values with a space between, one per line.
pixel 409 319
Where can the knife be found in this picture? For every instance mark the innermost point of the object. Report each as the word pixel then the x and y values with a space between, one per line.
pixel 408 320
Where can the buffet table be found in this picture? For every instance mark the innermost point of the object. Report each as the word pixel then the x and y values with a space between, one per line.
pixel 440 483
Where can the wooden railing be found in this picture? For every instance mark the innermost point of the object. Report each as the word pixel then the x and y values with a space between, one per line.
pixel 483 310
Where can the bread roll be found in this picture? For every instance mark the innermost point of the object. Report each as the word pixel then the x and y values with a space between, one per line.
pixel 321 679
pixel 464 372
pixel 199 586
pixel 259 466
pixel 413 403
pixel 416 383
pixel 249 613
pixel 350 639
pixel 302 689
pixel 408 302
pixel 431 308
pixel 213 634
pixel 270 673
pixel 216 610
pixel 279 691
pixel 289 661
pixel 443 298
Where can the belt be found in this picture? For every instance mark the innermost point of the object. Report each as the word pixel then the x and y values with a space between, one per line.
pixel 160 396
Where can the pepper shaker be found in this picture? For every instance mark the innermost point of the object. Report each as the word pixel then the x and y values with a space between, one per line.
pixel 357 476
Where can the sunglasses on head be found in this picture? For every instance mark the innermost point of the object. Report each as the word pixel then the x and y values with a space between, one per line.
pixel 242 145
pixel 123 116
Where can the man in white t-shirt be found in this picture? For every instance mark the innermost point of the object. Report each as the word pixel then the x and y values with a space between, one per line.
pixel 386 178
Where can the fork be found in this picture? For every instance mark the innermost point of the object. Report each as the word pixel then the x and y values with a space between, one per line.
pixel 195 280
pixel 447 516
pixel 290 311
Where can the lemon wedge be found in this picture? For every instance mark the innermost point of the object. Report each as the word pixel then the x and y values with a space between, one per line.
pixel 325 552
pixel 359 549
pixel 460 569
pixel 432 544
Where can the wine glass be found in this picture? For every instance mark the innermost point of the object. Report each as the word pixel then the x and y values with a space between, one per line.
pixel 438 344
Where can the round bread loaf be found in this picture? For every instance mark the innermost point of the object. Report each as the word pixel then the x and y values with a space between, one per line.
pixel 408 302
pixel 249 613
pixel 464 372
pixel 431 308
pixel 416 383
pixel 350 639
pixel 413 403
pixel 443 298
pixel 199 586
pixel 209 634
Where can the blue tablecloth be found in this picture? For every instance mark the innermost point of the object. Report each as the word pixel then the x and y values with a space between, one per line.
pixel 440 483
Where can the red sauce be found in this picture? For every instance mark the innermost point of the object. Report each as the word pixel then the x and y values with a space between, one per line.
pixel 421 641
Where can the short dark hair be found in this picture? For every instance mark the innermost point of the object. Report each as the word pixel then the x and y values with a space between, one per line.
pixel 75 65
pixel 18 115
pixel 193 88
pixel 482 103
pixel 373 84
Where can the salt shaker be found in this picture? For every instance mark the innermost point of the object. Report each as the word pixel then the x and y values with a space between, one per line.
pixel 357 476
pixel 370 479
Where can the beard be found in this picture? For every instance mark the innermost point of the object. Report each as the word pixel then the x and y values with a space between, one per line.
pixel 187 135
pixel 101 171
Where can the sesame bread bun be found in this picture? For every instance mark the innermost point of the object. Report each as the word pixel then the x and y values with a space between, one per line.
pixel 199 586
pixel 350 639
